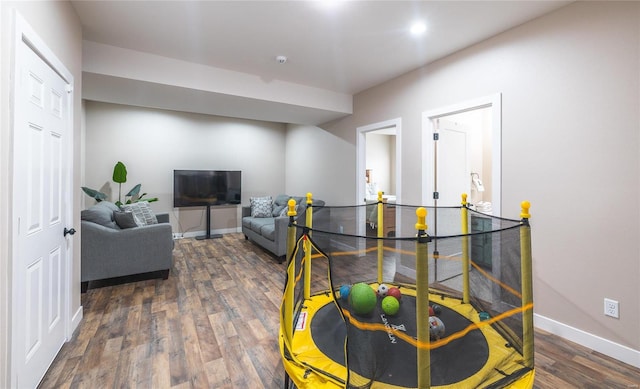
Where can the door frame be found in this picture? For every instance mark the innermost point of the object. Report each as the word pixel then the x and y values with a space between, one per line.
pixel 361 165
pixel 494 102
pixel 24 33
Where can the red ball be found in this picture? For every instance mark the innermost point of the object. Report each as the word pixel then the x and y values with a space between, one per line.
pixel 395 292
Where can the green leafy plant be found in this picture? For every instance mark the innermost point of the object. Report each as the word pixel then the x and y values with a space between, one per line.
pixel 120 177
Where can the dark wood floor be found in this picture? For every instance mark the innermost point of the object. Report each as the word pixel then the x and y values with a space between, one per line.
pixel 214 324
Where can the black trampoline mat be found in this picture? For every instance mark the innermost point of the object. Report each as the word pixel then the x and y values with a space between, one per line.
pixel 389 359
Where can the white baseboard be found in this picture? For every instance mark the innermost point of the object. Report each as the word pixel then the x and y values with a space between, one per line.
pixel 75 321
pixel 614 350
pixel 221 231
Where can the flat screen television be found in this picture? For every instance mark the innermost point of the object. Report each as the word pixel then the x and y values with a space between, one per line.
pixel 197 188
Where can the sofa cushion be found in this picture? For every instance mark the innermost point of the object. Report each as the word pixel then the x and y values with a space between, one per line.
pixel 276 210
pixel 101 213
pixel 125 219
pixel 257 223
pixel 269 231
pixel 142 213
pixel 261 206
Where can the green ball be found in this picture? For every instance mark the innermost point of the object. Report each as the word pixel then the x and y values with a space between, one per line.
pixel 390 305
pixel 362 298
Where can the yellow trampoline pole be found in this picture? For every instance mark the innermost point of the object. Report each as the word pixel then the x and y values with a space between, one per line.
pixel 422 301
pixel 526 264
pixel 464 213
pixel 380 235
pixel 307 250
pixel 291 272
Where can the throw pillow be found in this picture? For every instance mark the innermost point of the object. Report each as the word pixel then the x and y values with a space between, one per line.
pixel 142 213
pixel 101 213
pixel 125 219
pixel 279 203
pixel 261 206
pixel 277 210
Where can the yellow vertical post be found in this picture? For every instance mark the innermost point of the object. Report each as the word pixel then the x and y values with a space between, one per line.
pixel 307 250
pixel 291 272
pixel 380 235
pixel 526 264
pixel 464 221
pixel 422 300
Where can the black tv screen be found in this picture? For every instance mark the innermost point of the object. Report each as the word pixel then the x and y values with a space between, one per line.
pixel 195 188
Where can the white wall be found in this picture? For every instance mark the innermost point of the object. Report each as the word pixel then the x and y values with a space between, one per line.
pixel 58 26
pixel 152 143
pixel 380 157
pixel 570 84
pixel 321 163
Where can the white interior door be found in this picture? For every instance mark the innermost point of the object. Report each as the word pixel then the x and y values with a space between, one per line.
pixel 429 124
pixel 452 163
pixel 42 138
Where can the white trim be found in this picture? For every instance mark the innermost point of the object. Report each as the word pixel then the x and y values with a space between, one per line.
pixel 219 231
pixel 495 102
pixel 614 350
pixel 76 318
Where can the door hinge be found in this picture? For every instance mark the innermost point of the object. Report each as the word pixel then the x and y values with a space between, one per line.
pixel 436 195
pixel 436 136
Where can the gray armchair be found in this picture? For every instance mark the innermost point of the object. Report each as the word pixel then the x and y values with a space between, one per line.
pixel 108 251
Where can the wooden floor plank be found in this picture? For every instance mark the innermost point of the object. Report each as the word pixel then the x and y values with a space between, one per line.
pixel 214 324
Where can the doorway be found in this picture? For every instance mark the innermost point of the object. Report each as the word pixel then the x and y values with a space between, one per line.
pixel 378 165
pixel 461 150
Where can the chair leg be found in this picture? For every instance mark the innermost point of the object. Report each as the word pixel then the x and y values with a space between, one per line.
pixel 84 286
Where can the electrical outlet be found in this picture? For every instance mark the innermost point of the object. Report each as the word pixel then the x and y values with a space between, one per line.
pixel 611 308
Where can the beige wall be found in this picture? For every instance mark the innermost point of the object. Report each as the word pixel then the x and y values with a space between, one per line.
pixel 570 84
pixel 152 143
pixel 58 26
pixel 380 158
pixel 320 163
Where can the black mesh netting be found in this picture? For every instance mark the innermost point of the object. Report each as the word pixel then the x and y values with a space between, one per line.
pixel 481 344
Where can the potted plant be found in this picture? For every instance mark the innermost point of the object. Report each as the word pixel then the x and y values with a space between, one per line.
pixel 120 177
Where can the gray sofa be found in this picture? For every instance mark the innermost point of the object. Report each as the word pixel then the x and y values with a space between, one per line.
pixel 270 231
pixel 108 250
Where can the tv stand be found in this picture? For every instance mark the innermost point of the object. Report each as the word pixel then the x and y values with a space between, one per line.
pixel 208 235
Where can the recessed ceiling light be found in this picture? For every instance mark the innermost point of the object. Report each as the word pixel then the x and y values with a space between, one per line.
pixel 329 4
pixel 418 28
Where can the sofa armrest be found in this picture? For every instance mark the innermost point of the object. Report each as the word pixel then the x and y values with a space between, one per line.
pixel 246 211
pixel 281 229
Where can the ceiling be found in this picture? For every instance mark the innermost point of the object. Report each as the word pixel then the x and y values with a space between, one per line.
pixel 339 46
